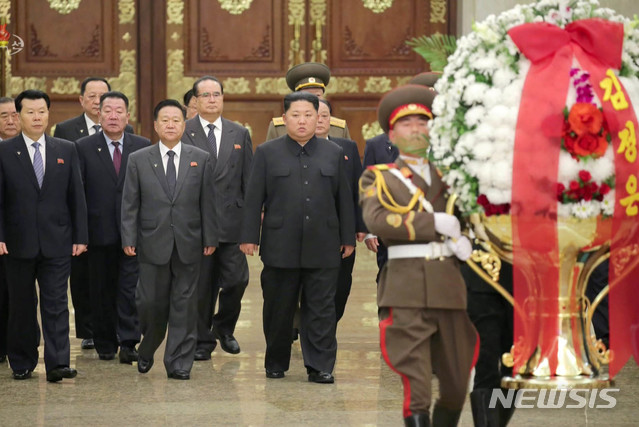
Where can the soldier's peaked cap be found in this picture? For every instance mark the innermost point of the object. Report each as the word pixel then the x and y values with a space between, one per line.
pixel 308 74
pixel 425 79
pixel 405 101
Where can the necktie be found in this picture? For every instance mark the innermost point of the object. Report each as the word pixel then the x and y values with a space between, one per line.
pixel 212 140
pixel 97 128
pixel 38 166
pixel 171 176
pixel 117 157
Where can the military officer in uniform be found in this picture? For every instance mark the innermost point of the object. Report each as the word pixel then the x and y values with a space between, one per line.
pixel 421 295
pixel 309 77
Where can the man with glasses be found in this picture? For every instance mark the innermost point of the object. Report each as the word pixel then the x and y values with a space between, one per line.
pixel 224 275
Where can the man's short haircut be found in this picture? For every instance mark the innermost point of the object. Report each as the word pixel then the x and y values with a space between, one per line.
pixel 328 104
pixel 33 95
pixel 115 94
pixel 6 100
pixel 203 78
pixel 300 96
pixel 187 97
pixel 88 80
pixel 168 103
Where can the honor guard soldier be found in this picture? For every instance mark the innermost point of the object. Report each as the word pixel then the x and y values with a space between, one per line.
pixel 310 77
pixel 421 296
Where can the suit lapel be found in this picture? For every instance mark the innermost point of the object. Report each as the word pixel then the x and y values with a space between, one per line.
pixel 51 162
pixel 195 132
pixel 81 127
pixel 102 149
pixel 23 157
pixel 226 147
pixel 155 161
pixel 184 170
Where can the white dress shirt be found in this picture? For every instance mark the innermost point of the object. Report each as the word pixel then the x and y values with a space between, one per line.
pixel 90 123
pixel 176 159
pixel 43 150
pixel 217 131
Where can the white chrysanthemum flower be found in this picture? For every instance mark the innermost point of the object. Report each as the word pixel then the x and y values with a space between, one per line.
pixel 474 132
pixel 585 209
pixel 608 203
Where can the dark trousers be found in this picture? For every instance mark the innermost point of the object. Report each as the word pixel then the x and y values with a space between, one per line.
pixel 224 277
pixel 344 283
pixel 281 288
pixel 167 295
pixel 4 309
pixel 416 341
pixel 113 279
pixel 52 275
pixel 79 282
pixel 492 316
pixel 382 258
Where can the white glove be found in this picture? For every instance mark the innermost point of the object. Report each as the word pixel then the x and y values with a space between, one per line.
pixel 448 225
pixel 461 247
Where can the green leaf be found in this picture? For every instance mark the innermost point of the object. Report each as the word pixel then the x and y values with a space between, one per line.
pixel 434 49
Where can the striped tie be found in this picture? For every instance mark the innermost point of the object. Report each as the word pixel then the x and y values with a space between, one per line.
pixel 38 166
pixel 212 140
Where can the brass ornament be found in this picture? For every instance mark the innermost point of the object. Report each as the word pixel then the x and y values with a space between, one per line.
pixel 438 11
pixel 271 86
pixel 343 85
pixel 394 220
pixel 127 12
pixel 126 37
pixel 5 6
pixel 126 80
pixel 176 82
pixel 377 6
pixel 66 85
pixel 236 86
pixel 377 85
pixel 64 7
pixel 235 7
pixel 370 130
pixel 175 12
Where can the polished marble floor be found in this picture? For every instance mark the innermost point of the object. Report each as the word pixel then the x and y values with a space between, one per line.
pixel 232 389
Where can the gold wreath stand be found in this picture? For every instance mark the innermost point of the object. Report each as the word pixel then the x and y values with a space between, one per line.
pixel 580 355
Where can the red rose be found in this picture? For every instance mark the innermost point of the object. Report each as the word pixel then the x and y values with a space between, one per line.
pixel 604 189
pixel 482 200
pixel 590 145
pixel 585 118
pixel 584 176
pixel 574 185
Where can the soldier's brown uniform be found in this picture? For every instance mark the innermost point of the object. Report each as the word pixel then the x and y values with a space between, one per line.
pixel 422 300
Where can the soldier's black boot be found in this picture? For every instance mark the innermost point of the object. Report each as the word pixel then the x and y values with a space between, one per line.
pixel 505 414
pixel 417 420
pixel 444 417
pixel 483 416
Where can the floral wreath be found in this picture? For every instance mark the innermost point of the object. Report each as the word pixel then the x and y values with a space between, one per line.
pixel 473 135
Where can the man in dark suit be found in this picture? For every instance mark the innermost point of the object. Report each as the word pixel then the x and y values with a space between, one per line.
pixel 168 220
pixel 300 182
pixel 87 123
pixel 113 276
pixel 9 127
pixel 353 172
pixel 43 223
pixel 378 150
pixel 224 275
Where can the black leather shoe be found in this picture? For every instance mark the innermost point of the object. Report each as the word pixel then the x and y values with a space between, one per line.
pixel 87 344
pixel 21 374
pixel 227 342
pixel 202 354
pixel 274 374
pixel 106 356
pixel 61 372
pixel 321 377
pixel 144 365
pixel 417 420
pixel 179 374
pixel 128 355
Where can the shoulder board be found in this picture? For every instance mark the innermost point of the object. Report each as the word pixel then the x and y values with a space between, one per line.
pixel 340 123
pixel 278 121
pixel 382 167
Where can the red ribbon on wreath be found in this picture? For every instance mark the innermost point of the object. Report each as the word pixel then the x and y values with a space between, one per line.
pixel 597 45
